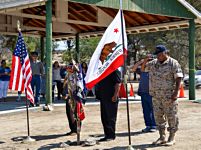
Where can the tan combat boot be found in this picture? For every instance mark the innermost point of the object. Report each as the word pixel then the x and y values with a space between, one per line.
pixel 171 140
pixel 161 139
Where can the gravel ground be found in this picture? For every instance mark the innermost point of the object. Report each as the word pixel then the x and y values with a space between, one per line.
pixel 49 128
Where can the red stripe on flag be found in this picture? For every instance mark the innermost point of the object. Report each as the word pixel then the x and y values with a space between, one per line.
pixel 12 73
pixel 30 94
pixel 114 65
pixel 19 76
pixel 21 73
pixel 22 87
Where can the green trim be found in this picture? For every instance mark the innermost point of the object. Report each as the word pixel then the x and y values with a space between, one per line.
pixel 77 48
pixel 48 52
pixel 42 44
pixel 191 59
pixel 160 7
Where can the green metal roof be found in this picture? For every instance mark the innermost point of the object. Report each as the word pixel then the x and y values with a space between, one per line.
pixel 176 8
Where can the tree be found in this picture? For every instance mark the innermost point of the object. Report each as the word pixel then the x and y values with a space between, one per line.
pixel 32 43
pixel 176 41
pixel 8 44
pixel 87 47
pixel 197 5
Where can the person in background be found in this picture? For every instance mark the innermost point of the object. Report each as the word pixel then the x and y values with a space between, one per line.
pixel 4 80
pixel 146 98
pixel 43 82
pixel 37 72
pixel 63 72
pixel 165 76
pixel 84 71
pixel 19 96
pixel 56 77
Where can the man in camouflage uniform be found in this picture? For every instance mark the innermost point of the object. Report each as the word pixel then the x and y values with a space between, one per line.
pixel 165 79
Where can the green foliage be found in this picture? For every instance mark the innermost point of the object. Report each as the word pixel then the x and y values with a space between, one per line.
pixel 67 56
pixel 198 48
pixel 9 42
pixel 87 47
pixel 197 5
pixel 176 42
pixel 32 43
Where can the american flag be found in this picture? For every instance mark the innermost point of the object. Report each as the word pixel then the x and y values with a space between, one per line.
pixel 21 73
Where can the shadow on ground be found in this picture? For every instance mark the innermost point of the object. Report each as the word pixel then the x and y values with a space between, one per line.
pixel 50 146
pixel 136 147
pixel 1 142
pixel 39 137
pixel 122 134
pixel 62 145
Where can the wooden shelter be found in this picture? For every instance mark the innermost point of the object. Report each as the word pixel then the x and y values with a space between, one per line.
pixel 64 19
pixel 90 18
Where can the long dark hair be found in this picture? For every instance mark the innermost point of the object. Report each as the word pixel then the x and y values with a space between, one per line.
pixel 3 60
pixel 55 63
pixel 84 66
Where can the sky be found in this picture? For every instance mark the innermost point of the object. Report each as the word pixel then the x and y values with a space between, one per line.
pixel 62 45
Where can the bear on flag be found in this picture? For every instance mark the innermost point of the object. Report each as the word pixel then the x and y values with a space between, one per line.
pixel 109 54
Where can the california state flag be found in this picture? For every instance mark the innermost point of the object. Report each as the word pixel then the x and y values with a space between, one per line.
pixel 108 55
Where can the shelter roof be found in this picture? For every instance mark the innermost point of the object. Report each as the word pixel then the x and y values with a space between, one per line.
pixel 16 4
pixel 91 17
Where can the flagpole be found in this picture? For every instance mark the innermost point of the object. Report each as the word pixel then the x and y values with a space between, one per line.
pixel 125 78
pixel 28 138
pixel 27 108
pixel 77 117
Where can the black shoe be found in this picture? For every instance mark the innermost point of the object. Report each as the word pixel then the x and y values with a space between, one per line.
pixel 71 133
pixel 31 105
pixel 105 139
pixel 147 129
pixel 37 105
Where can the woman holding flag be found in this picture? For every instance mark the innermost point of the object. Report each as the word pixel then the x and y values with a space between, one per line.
pixel 73 94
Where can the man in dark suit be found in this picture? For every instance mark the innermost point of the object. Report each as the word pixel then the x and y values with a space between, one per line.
pixel 107 92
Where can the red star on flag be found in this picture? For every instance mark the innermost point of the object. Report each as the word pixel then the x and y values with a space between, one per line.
pixel 116 30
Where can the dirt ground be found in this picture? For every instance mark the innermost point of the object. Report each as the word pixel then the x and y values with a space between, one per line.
pixel 49 128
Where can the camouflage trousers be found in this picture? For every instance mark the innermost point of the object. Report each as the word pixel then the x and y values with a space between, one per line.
pixel 166 111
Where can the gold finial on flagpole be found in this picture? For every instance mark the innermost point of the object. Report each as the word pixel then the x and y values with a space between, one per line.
pixel 18 26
